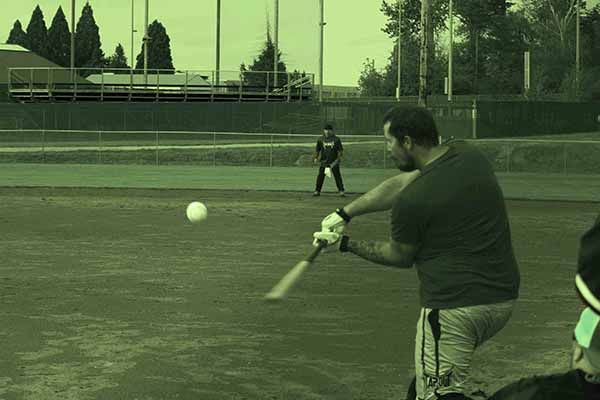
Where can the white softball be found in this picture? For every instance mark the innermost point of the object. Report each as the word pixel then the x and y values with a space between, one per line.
pixel 196 212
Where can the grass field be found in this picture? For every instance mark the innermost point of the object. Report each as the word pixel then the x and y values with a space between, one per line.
pixel 110 293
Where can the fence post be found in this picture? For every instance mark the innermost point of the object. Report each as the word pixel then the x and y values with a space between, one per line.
pixel 99 146
pixel 44 138
pixel 507 157
pixel 271 153
pixel 474 119
pixel 564 158
pixel 157 147
pixel 214 149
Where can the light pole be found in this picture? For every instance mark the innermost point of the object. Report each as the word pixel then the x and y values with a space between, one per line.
pixel 450 50
pixel 218 45
pixel 132 32
pixel 322 24
pixel 73 39
pixel 398 92
pixel 146 39
pixel 577 44
pixel 276 58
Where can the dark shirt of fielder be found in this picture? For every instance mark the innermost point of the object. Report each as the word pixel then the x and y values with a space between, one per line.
pixel 568 386
pixel 455 213
pixel 329 148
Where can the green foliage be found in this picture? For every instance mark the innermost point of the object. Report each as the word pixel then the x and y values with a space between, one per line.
pixel 17 35
pixel 371 81
pixel 59 40
pixel 252 75
pixel 37 34
pixel 118 59
pixel 159 50
pixel 88 52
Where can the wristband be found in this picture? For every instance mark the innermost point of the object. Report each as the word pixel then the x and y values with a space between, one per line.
pixel 342 213
pixel 344 243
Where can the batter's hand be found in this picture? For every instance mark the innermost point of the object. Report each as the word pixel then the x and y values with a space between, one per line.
pixel 335 222
pixel 332 239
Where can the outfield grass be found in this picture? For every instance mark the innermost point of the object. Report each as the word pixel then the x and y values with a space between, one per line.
pixel 541 186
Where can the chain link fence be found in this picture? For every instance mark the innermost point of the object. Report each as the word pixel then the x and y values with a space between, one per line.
pixel 271 150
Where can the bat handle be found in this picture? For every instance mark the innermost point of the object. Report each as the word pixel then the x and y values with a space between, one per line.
pixel 320 246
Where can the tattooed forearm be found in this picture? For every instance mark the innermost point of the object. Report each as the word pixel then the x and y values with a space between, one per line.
pixel 377 252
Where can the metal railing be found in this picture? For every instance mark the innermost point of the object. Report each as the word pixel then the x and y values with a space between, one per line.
pixel 105 84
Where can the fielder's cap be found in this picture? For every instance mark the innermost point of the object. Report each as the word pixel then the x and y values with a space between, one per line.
pixel 587 334
pixel 329 127
pixel 587 279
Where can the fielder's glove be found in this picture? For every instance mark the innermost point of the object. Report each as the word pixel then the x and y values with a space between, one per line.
pixel 336 221
pixel 328 172
pixel 335 241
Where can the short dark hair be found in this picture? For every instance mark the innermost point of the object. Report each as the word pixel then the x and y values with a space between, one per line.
pixel 329 127
pixel 414 121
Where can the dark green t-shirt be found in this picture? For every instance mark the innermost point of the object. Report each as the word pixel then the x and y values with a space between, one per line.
pixel 455 213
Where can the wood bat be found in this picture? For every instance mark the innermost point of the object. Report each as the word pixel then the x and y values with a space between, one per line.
pixel 279 291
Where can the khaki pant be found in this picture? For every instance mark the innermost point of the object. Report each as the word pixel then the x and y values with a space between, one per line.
pixel 445 342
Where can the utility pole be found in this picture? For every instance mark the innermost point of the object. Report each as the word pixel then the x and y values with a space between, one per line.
pixel 322 24
pixel 276 60
pixel 398 90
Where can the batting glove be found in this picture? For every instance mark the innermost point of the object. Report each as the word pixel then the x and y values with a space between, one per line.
pixel 336 221
pixel 332 239
pixel 335 241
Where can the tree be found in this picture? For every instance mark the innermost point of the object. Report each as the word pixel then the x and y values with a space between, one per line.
pixel 17 35
pixel 88 52
pixel 59 40
pixel 118 59
pixel 159 50
pixel 477 17
pixel 255 76
pixel 553 44
pixel 411 36
pixel 371 82
pixel 37 33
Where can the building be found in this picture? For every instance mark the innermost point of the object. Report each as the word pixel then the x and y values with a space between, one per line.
pixel 15 56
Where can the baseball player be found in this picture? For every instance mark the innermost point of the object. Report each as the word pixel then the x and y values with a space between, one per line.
pixel 329 152
pixel 449 221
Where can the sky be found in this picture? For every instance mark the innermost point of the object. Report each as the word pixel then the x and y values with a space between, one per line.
pixel 353 32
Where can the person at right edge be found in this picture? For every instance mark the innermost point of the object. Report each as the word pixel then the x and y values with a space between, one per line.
pixel 449 221
pixel 582 381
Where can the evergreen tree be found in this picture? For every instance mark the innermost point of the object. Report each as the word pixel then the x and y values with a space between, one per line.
pixel 159 50
pixel 88 52
pixel 264 62
pixel 17 35
pixel 37 33
pixel 118 59
pixel 59 40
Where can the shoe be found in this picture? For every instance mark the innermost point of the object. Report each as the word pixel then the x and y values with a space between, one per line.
pixel 342 194
pixel 315 194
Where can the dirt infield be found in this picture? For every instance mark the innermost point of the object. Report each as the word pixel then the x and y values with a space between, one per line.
pixel 110 294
